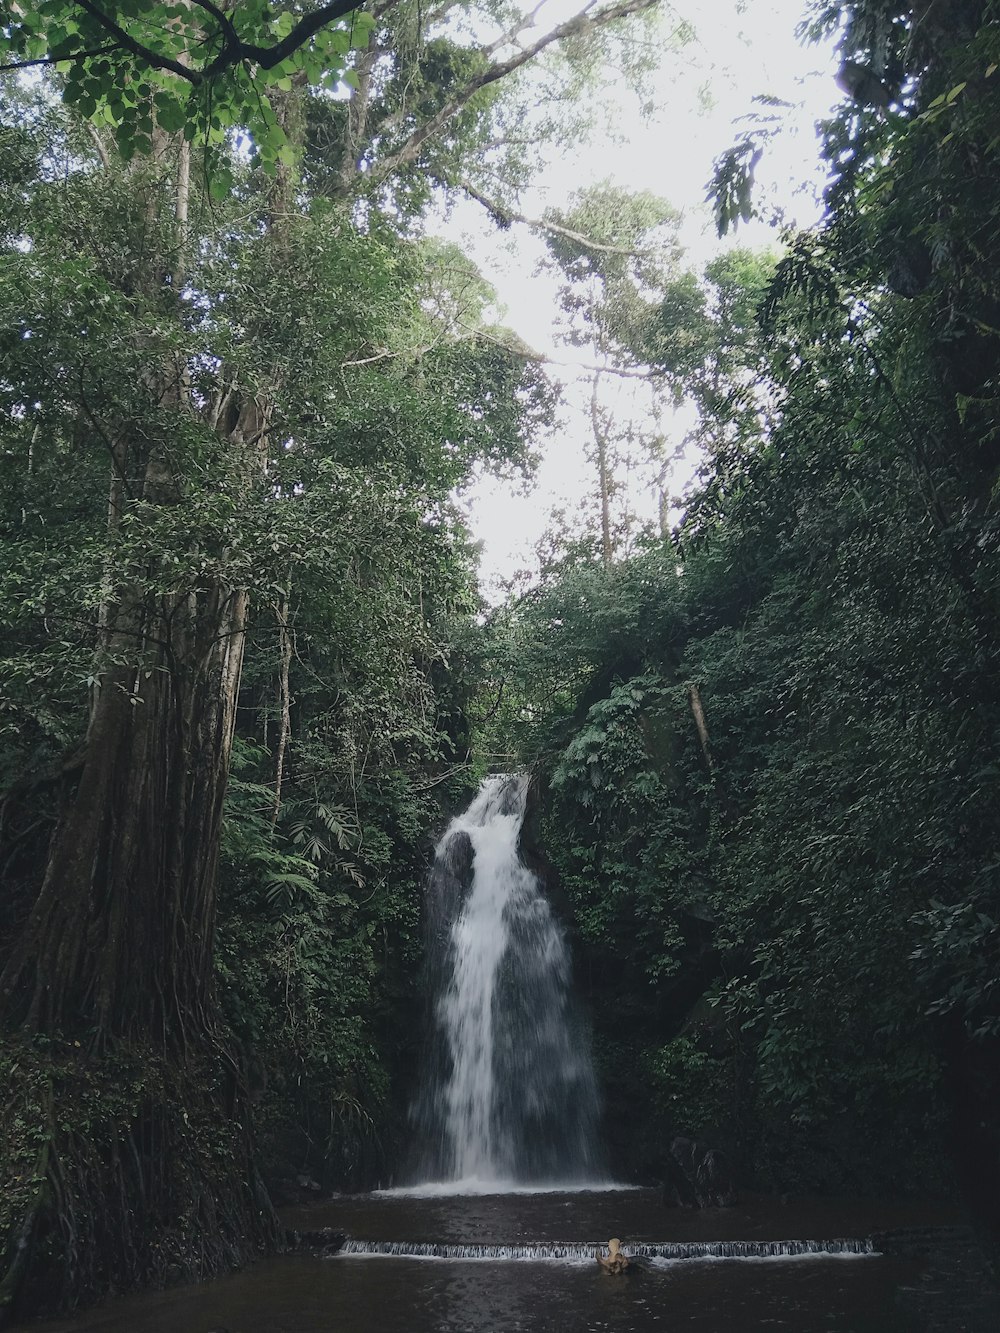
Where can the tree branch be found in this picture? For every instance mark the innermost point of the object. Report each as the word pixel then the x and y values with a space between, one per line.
pixel 98 143
pixel 505 216
pixel 589 19
pixel 146 54
pixel 269 56
pixel 223 20
pixel 56 60
pixel 234 50
pixel 386 356
pixel 523 23
pixel 525 353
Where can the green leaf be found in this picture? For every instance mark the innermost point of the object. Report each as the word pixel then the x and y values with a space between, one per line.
pixel 170 114
pixel 220 183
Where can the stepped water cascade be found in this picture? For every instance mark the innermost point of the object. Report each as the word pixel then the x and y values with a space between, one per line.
pixel 584 1251
pixel 509 1096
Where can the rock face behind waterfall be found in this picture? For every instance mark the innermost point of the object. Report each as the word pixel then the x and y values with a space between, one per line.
pixel 508 1092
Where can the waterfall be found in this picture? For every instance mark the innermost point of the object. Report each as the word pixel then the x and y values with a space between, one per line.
pixel 509 1095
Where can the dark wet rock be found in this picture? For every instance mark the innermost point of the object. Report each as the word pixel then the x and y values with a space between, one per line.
pixel 451 879
pixel 698 1177
pixel 326 1240
pixel 285 1190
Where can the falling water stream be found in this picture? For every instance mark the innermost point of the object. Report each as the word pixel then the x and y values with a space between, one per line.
pixel 496 1232
pixel 509 1095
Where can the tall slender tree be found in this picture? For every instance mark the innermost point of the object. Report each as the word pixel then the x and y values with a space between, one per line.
pixel 613 252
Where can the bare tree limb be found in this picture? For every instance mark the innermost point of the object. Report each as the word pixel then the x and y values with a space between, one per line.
pixel 598 427
pixel 591 18
pixel 388 355
pixel 285 642
pixel 43 61
pixel 698 713
pixel 98 143
pixel 505 216
pixel 524 22
pixel 590 367
pixel 523 353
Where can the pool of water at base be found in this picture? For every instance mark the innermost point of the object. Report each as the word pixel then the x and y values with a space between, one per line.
pixel 306 1293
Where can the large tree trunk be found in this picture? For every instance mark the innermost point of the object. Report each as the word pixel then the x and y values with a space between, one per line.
pixel 119 943
pixel 119 1066
pixel 130 1156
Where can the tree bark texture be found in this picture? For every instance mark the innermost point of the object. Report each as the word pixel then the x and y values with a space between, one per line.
pixel 119 943
pixel 698 713
pixel 107 994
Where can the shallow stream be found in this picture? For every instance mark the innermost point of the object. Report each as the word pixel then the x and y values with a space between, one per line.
pixel 366 1293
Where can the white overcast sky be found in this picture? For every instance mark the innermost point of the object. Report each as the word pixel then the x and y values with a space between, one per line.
pixel 743 48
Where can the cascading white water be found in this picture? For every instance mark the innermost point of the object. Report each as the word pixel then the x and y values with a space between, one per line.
pixel 510 1096
pixel 584 1251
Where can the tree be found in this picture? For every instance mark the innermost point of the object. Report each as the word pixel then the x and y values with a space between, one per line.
pixel 613 250
pixel 185 64
pixel 194 66
pixel 754 903
pixel 352 482
pixel 239 356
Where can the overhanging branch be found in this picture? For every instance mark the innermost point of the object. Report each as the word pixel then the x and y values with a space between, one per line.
pixel 269 56
pixel 590 19
pixel 233 50
pixel 505 216
pixel 124 41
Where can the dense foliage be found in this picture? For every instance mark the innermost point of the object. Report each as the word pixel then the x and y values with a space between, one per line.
pixel 239 390
pixel 768 744
pixel 348 726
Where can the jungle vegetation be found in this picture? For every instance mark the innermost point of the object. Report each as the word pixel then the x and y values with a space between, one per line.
pixel 767 741
pixel 245 672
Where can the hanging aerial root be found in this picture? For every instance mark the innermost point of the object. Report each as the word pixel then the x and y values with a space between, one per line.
pixel 121 1172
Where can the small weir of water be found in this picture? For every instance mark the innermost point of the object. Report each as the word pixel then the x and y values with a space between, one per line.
pixel 503 1263
pixel 509 1095
pixel 570 1251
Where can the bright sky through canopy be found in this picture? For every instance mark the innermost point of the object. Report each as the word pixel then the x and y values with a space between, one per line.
pixel 742 49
